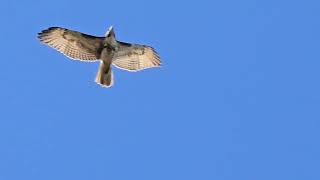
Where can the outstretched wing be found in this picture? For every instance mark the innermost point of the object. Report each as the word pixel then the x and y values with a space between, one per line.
pixel 73 44
pixel 134 57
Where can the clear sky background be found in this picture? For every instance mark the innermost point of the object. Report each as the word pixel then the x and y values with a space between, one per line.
pixel 237 96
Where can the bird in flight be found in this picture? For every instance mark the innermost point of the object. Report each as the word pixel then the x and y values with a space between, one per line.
pixel 107 50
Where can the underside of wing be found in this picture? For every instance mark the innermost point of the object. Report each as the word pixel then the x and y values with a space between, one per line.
pixel 134 57
pixel 73 44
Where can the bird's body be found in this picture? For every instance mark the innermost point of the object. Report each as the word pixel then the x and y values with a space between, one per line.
pixel 107 50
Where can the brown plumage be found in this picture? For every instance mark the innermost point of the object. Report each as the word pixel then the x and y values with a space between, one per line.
pixel 83 47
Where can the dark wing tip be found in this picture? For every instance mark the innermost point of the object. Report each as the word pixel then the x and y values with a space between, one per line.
pixel 50 29
pixel 41 35
pixel 155 57
pixel 155 53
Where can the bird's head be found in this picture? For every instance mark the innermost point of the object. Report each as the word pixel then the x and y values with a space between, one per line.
pixel 110 32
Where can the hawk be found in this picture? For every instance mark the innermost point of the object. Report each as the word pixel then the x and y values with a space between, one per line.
pixel 107 50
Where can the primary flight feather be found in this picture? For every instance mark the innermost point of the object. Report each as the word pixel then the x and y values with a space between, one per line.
pixel 107 50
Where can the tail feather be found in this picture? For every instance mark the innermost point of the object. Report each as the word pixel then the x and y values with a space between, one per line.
pixel 104 76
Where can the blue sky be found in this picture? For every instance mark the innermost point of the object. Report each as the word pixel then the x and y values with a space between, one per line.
pixel 237 96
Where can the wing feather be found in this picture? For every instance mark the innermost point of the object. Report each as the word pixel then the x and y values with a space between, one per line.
pixel 134 57
pixel 73 44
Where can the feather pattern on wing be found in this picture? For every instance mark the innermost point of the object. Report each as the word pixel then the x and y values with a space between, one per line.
pixel 73 44
pixel 134 57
